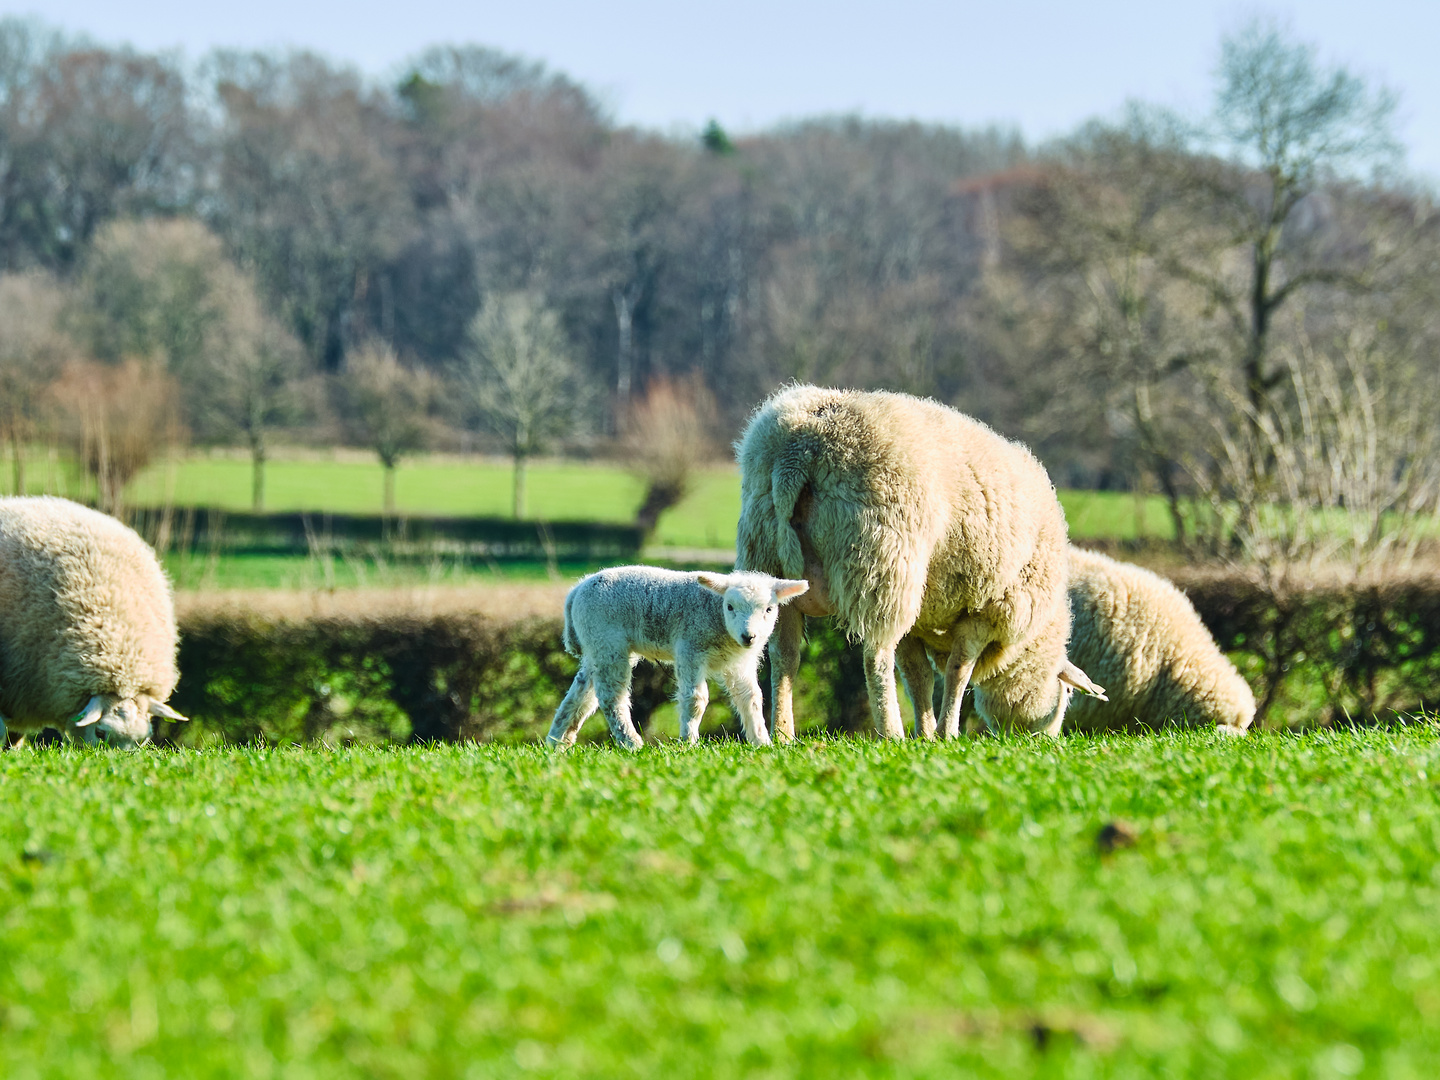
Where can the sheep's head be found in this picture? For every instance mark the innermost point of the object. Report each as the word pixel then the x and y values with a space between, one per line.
pixel 123 723
pixel 751 603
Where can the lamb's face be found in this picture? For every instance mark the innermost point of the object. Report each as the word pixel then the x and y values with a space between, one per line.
pixel 122 724
pixel 750 613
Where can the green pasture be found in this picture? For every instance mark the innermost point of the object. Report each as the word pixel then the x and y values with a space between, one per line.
pixel 835 908
pixel 557 491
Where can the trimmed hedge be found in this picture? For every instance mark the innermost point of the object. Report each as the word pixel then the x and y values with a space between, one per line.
pixel 1319 655
pixel 302 533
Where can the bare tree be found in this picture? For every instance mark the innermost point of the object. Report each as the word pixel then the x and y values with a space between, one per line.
pixel 164 288
pixel 33 349
pixel 117 418
pixel 668 435
pixel 387 405
pixel 519 378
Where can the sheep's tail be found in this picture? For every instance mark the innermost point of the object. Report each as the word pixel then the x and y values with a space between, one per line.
pixel 786 485
pixel 572 643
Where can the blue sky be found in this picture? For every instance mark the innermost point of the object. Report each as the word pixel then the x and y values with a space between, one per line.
pixel 1043 66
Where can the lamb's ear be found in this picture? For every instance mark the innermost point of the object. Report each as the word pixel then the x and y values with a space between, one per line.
pixel 1072 676
pixel 159 708
pixel 716 583
pixel 788 590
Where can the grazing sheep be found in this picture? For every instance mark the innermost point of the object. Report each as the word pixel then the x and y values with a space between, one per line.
pixel 87 625
pixel 1138 633
pixel 1141 636
pixel 704 624
pixel 908 518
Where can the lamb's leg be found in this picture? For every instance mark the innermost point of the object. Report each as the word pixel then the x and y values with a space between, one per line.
pixel 744 691
pixel 786 641
pixel 971 637
pixel 880 683
pixel 919 678
pixel 579 703
pixel 4 735
pixel 692 697
pixel 612 687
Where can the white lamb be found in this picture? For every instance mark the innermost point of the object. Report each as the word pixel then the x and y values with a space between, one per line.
pixel 87 625
pixel 704 624
pixel 908 518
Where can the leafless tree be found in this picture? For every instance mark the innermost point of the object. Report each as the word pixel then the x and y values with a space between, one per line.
pixel 387 405
pixel 668 435
pixel 33 350
pixel 518 377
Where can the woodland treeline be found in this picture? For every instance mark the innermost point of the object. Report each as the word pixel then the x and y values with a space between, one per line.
pixel 1237 310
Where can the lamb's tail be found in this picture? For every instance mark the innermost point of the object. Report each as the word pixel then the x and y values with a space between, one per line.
pixel 572 643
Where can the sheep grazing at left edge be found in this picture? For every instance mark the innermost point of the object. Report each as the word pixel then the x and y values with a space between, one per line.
pixel 87 625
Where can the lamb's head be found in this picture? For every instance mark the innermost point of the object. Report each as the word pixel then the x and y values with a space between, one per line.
pixel 751 603
pixel 123 723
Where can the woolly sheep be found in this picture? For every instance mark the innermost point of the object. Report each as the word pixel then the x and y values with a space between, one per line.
pixel 87 625
pixel 1138 633
pixel 1141 636
pixel 907 518
pixel 704 624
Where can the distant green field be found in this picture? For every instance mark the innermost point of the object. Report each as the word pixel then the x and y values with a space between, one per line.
pixel 558 490
pixel 832 909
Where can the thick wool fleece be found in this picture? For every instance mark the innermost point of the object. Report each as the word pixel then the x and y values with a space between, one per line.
pixel 907 517
pixel 84 610
pixel 1138 635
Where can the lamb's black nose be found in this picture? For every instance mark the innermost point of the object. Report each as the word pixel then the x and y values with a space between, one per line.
pixel 747 639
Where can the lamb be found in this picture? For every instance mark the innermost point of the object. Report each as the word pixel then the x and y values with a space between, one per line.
pixel 87 625
pixel 908 518
pixel 1139 633
pixel 704 624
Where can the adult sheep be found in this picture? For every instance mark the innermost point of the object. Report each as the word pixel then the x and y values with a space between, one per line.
pixel 907 518
pixel 87 624
pixel 1139 634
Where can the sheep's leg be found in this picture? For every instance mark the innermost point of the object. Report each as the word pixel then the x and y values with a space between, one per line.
pixel 880 683
pixel 919 676
pixel 744 690
pixel 971 637
pixel 579 703
pixel 612 687
pixel 693 696
pixel 786 642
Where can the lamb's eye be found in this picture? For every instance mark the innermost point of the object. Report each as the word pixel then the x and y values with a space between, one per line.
pixel 769 610
pixel 729 607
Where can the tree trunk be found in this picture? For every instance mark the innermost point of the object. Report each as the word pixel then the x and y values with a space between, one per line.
pixel 257 477
pixel 624 301
pixel 518 497
pixel 389 489
pixel 18 448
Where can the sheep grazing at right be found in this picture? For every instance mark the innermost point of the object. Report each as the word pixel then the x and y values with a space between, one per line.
pixel 1139 633
pixel 908 518
pixel 705 624
pixel 87 625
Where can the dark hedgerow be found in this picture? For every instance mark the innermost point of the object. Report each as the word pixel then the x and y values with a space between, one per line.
pixel 1318 656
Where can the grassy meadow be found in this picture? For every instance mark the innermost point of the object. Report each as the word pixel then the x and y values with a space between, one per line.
pixel 1268 907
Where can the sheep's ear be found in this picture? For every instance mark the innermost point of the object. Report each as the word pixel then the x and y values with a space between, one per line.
pixel 716 583
pixel 91 713
pixel 788 590
pixel 1073 677
pixel 159 708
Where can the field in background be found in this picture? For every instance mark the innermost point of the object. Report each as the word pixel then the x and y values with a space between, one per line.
pixel 838 908
pixel 558 490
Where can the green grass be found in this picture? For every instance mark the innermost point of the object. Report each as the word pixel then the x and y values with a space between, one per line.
pixel 832 909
